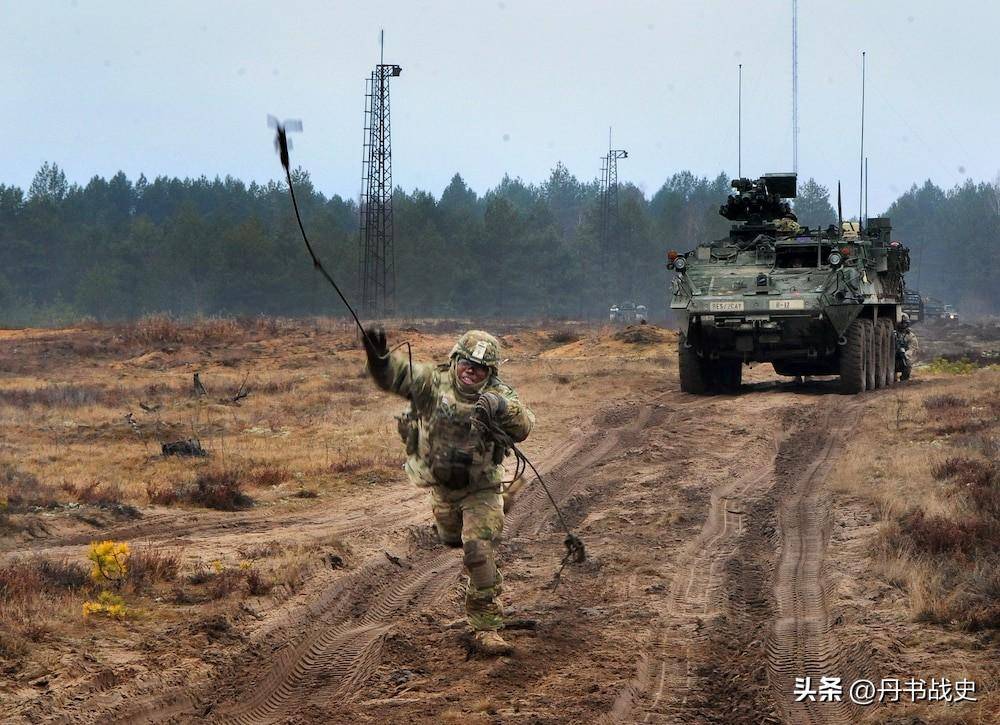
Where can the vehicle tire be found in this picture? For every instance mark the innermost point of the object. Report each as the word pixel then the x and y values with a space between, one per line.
pixel 690 367
pixel 879 355
pixel 729 374
pixel 852 360
pixel 888 352
pixel 870 354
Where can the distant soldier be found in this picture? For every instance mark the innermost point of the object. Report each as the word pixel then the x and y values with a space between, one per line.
pixel 460 465
pixel 907 347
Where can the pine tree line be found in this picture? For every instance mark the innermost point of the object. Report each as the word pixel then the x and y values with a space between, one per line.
pixel 116 248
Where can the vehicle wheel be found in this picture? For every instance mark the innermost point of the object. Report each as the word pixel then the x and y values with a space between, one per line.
pixel 870 354
pixel 888 352
pixel 729 374
pixel 852 360
pixel 879 355
pixel 691 369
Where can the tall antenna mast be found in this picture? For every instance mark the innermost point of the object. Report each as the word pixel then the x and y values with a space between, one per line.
pixel 861 171
pixel 795 86
pixel 377 262
pixel 739 125
pixel 611 215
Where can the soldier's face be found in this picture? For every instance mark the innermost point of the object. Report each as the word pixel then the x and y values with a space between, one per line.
pixel 471 374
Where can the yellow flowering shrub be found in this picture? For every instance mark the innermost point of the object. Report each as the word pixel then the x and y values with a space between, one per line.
pixel 110 560
pixel 108 605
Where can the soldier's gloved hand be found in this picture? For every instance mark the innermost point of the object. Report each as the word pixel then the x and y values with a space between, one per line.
pixel 376 348
pixel 490 407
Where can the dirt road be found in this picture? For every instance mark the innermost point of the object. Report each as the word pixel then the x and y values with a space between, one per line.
pixel 718 571
pixel 702 598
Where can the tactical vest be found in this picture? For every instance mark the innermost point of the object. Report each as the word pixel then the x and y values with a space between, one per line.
pixel 442 440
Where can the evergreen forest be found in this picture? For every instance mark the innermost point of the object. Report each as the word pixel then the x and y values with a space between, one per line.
pixel 119 248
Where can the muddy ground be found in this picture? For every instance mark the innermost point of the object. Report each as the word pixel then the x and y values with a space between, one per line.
pixel 722 564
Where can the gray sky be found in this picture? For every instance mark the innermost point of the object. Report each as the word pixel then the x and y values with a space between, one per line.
pixel 183 87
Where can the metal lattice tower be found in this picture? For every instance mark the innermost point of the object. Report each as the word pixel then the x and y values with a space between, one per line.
pixel 378 259
pixel 611 212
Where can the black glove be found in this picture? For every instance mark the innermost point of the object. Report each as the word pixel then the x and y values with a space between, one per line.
pixel 490 407
pixel 377 349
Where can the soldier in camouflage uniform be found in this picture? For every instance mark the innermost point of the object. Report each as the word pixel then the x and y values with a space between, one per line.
pixel 456 461
pixel 906 341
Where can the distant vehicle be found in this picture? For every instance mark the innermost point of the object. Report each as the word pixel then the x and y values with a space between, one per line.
pixel 949 313
pixel 629 313
pixel 933 308
pixel 913 305
pixel 808 301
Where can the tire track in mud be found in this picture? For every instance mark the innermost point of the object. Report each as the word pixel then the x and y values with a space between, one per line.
pixel 335 644
pixel 665 674
pixel 800 641
pixel 722 620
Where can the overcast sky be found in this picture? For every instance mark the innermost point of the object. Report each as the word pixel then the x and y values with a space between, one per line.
pixel 182 88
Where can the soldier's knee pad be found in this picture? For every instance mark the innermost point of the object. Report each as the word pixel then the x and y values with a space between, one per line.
pixel 479 561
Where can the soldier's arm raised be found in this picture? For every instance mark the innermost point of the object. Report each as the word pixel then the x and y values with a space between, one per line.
pixel 416 384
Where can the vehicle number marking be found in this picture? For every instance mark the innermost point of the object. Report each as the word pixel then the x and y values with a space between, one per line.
pixel 735 306
pixel 787 304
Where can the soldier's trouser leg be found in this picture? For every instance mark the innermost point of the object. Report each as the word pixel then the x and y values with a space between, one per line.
pixel 447 519
pixel 482 514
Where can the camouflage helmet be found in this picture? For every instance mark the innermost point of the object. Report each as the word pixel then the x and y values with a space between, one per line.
pixel 479 347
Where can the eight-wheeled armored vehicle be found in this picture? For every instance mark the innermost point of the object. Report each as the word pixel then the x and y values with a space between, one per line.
pixel 808 301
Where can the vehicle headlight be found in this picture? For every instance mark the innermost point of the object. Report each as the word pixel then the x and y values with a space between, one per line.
pixel 835 258
pixel 680 263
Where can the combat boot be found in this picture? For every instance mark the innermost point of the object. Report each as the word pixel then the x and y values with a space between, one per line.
pixel 489 642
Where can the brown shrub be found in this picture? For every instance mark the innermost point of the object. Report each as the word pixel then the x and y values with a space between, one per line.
pixel 99 493
pixel 269 475
pixel 943 401
pixel 220 489
pixel 25 585
pixel 939 535
pixel 164 494
pixel 22 490
pixel 148 565
pixel 257 585
pixel 965 471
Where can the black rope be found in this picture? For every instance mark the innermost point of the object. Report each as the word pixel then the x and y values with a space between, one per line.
pixel 575 550
pixel 281 141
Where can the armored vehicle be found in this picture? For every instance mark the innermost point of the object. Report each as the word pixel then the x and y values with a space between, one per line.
pixel 913 305
pixel 808 301
pixel 629 313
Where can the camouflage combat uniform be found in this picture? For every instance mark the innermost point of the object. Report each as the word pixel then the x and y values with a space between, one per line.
pixel 908 341
pixel 459 465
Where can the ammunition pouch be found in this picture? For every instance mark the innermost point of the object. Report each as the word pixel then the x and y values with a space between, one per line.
pixel 452 470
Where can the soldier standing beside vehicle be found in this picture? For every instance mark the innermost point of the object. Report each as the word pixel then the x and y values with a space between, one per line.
pixel 460 465
pixel 906 347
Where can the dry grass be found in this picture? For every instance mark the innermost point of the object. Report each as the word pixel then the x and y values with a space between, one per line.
pixel 32 593
pixel 937 491
pixel 313 435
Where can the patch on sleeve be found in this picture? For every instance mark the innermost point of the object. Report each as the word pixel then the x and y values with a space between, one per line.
pixel 480 351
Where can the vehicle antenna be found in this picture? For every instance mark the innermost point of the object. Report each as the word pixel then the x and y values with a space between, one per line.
pixel 866 191
pixel 739 125
pixel 861 174
pixel 840 211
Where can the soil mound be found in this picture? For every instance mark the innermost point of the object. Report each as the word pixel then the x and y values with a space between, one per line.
pixel 640 335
